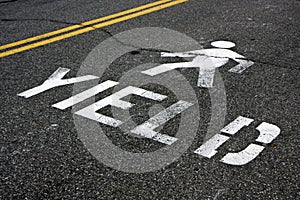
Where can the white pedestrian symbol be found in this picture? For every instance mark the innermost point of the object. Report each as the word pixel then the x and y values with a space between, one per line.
pixel 207 60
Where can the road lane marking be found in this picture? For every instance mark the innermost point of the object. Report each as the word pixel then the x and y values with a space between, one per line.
pixel 85 30
pixel 77 26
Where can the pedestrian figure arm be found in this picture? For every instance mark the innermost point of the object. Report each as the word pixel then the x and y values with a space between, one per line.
pixel 242 65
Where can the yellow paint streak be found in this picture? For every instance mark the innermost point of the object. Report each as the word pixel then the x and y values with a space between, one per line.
pixel 88 29
pixel 63 30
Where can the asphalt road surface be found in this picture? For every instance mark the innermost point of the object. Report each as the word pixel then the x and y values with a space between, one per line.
pixel 44 150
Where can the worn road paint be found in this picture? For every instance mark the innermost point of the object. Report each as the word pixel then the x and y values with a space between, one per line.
pixel 237 125
pixel 268 132
pixel 85 95
pixel 114 100
pixel 243 157
pixel 88 23
pixel 147 129
pixel 206 72
pixel 207 60
pixel 91 28
pixel 56 80
pixel 208 149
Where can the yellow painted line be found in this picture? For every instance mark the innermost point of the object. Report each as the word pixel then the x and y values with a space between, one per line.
pixel 63 30
pixel 88 29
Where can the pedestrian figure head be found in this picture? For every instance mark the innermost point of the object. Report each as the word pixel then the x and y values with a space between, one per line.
pixel 223 44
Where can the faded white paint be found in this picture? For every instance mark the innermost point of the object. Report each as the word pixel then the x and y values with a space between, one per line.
pixel 268 132
pixel 206 71
pixel 85 95
pixel 147 129
pixel 207 60
pixel 55 80
pixel 208 149
pixel 243 157
pixel 114 100
pixel 237 125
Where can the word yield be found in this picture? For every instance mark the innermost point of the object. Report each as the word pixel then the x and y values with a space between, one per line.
pixel 268 132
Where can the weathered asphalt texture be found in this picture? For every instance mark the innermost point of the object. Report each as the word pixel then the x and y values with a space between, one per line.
pixel 42 157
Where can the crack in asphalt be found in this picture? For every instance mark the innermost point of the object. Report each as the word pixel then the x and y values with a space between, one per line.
pixel 86 26
pixel 133 46
pixel 8 1
pixel 49 20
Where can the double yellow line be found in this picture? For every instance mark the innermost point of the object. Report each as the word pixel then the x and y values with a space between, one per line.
pixel 85 27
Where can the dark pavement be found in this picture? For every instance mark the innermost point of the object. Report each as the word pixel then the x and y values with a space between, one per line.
pixel 42 156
